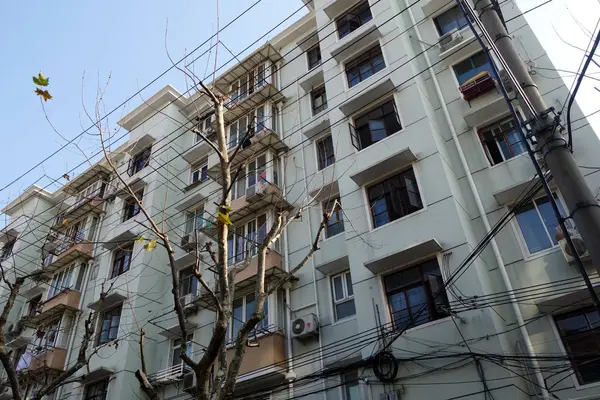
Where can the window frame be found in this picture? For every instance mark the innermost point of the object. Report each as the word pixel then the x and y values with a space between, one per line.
pixel 437 24
pixel 195 217
pixel 339 217
pixel 469 57
pixel 260 122
pixel 346 297
pixel 364 113
pixel 130 207
pixel 314 64
pixel 251 173
pixel 201 170
pixel 120 253
pixel 259 328
pixel 251 80
pixel 139 161
pixel 102 385
pixel 112 313
pixel 347 16
pixel 57 286
pixel 521 237
pixel 355 382
pixel 323 159
pixel 190 282
pixel 237 255
pixel 355 63
pixel 189 351
pixel 423 282
pixel 488 128
pixel 370 206
pixel 319 92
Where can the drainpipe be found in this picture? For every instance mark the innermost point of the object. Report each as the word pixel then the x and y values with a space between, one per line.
pixel 311 240
pixel 505 278
pixel 86 280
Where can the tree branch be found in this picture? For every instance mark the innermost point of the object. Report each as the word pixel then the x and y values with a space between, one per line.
pixel 142 375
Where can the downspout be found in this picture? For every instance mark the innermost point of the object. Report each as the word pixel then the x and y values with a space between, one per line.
pixel 505 278
pixel 311 240
pixel 83 291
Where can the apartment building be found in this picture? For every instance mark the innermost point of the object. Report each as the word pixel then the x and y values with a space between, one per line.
pixel 388 114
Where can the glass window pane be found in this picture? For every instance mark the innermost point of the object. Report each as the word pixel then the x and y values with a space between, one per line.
pixel 533 229
pixel 349 285
pixel 572 325
pixel 338 290
pixel 238 316
pixel 548 216
pixel 345 309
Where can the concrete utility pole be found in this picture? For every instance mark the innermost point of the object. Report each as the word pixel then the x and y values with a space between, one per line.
pixel 579 199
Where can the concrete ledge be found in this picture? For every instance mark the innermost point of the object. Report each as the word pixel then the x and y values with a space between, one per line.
pixel 384 167
pixel 366 96
pixel 405 257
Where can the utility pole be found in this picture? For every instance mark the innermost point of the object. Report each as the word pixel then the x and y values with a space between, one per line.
pixel 579 199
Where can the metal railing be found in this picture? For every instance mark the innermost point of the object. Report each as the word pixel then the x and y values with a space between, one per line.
pixel 173 373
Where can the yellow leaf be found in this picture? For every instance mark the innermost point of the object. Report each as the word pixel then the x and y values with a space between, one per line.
pixel 44 94
pixel 151 245
pixel 65 221
pixel 140 239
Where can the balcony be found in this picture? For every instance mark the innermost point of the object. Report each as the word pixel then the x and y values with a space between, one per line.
pixel 66 300
pixel 194 240
pixel 80 208
pixel 263 364
pixel 247 278
pixel 169 375
pixel 50 359
pixel 66 250
pixel 199 149
pixel 263 140
pixel 257 198
pixel 238 106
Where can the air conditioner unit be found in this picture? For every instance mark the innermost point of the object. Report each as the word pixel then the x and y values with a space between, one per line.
pixel 255 192
pixel 306 326
pixel 450 39
pixel 189 382
pixel 187 242
pixel 579 244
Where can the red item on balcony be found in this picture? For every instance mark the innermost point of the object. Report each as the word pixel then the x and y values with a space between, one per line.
pixel 477 85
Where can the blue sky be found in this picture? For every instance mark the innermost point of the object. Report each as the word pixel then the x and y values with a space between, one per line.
pixel 126 39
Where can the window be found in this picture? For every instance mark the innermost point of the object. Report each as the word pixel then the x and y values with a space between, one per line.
pixel 240 129
pixel 121 260
pixel 243 307
pixel 246 85
pixel 343 296
pixel 353 19
pixel 314 56
pixel 237 131
pixel 94 190
pixel 254 233
pixel 176 351
pixel 188 284
pixel 33 306
pixel 131 208
pixel 97 390
pixel 351 386
pixel 416 295
pixel 47 336
pixel 364 66
pixel 194 220
pixel 325 154
pixel 61 281
pixel 580 334
pixel 318 99
pixel 501 141
pixel 257 170
pixel 205 126
pixel 538 224
pixel 199 172
pixel 394 198
pixel 335 225
pixel 450 20
pixel 110 325
pixel 7 249
pixel 139 161
pixel 377 124
pixel 472 66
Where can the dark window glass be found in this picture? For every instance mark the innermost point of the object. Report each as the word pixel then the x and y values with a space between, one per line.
pixel 580 334
pixel 472 66
pixel 377 124
pixel 121 260
pixel 354 19
pixel 131 208
pixel 318 98
pixel 97 391
pixel 139 161
pixel 335 225
pixel 365 66
pixel 325 153
pixel 538 224
pixel 188 283
pixel 501 141
pixel 416 295
pixel 110 325
pixel 314 56
pixel 450 20
pixel 394 198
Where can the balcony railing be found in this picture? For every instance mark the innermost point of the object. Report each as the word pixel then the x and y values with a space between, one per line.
pixel 63 243
pixel 168 375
